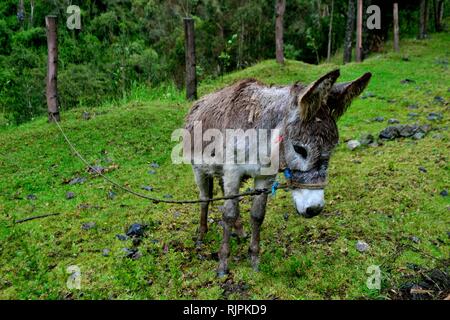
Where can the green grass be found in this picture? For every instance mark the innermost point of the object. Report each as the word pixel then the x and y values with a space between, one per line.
pixel 376 194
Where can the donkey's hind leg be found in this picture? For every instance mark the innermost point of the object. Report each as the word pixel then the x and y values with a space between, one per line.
pixel 205 186
pixel 238 227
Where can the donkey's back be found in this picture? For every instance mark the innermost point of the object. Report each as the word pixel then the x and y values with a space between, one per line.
pixel 243 105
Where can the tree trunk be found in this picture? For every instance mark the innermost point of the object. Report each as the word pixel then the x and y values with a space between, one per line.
pixel 31 13
pixel 438 14
pixel 21 12
pixel 441 14
pixel 423 19
pixel 349 29
pixel 52 69
pixel 359 29
pixel 279 17
pixel 330 32
pixel 396 29
pixel 191 74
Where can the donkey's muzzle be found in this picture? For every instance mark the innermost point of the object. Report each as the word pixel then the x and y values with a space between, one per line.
pixel 309 203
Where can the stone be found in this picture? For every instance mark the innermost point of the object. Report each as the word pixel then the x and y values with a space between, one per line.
pixel 31 197
pixel 111 195
pixel 147 188
pixel 353 144
pixel 393 121
pixel 154 165
pixel 70 195
pixel 367 139
pixel 362 246
pixel 407 81
pixel 78 180
pixel 86 116
pixel 439 99
pixel 418 136
pixel 433 116
pixel 407 131
pixel 422 169
pixel 96 169
pixel 88 226
pixel 378 119
pixel 122 237
pixel 444 193
pixel 389 133
pixel 136 230
pixel 106 252
pixel 131 253
pixel 368 95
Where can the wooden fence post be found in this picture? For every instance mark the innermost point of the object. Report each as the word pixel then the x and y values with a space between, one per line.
pixel 191 75
pixel 52 69
pixel 280 8
pixel 396 29
pixel 359 28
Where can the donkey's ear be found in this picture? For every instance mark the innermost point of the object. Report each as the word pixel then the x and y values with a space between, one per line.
pixel 342 94
pixel 316 94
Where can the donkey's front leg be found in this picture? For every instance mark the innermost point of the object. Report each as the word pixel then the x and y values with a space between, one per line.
pixel 258 213
pixel 229 217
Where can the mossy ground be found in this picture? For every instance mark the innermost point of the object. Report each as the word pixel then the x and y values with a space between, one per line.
pixel 375 194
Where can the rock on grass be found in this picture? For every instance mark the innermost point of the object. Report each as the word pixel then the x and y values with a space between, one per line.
pixel 404 131
pixel 353 144
pixel 422 169
pixel 362 246
pixel 88 226
pixel 433 116
pixel 136 230
pixel 70 195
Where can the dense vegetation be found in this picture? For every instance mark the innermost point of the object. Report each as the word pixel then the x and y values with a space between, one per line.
pixel 130 43
pixel 390 195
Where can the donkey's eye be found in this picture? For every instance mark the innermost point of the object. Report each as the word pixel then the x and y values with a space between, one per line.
pixel 301 151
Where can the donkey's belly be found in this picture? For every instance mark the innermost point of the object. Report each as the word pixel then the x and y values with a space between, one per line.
pixel 230 171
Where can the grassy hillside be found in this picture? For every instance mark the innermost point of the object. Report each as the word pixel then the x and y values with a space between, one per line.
pixel 375 194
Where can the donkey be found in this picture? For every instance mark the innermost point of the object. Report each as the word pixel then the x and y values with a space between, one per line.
pixel 305 117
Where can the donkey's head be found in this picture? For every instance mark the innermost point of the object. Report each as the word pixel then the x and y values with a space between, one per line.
pixel 310 134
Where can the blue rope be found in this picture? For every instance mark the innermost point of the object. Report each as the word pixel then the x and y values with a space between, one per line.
pixel 288 173
pixel 275 187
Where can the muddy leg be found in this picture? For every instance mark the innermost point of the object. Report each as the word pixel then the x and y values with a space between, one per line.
pixel 239 228
pixel 205 185
pixel 229 217
pixel 258 213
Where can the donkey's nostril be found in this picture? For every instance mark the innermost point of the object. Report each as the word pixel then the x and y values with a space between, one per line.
pixel 313 211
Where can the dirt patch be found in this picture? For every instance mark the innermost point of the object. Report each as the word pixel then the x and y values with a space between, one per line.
pixel 431 284
pixel 230 287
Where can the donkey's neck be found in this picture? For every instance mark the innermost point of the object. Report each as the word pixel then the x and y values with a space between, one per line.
pixel 276 102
